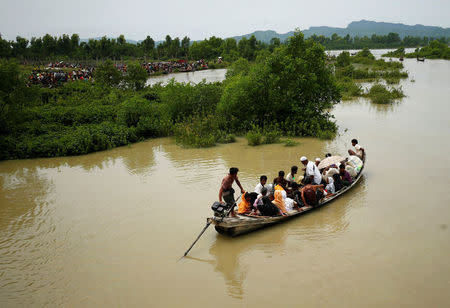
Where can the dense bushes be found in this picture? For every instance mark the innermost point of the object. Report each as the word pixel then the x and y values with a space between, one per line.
pixel 379 94
pixel 292 88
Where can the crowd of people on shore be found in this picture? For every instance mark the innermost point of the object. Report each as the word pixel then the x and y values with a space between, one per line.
pixel 174 66
pixel 285 194
pixel 56 73
pixel 54 78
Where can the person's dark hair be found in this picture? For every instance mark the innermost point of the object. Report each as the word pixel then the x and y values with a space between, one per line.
pixel 336 177
pixel 263 191
pixel 234 170
pixel 308 180
pixel 263 177
pixel 354 141
pixel 281 173
pixel 328 155
pixel 247 195
pixel 294 186
pixel 294 169
pixel 341 166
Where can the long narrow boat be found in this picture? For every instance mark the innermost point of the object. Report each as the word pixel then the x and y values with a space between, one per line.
pixel 234 226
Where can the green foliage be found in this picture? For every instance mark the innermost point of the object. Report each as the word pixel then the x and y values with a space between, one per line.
pixel 434 50
pixel 240 66
pixel 400 52
pixel 182 101
pixel 13 91
pixel 106 74
pixel 349 88
pixel 197 132
pixel 290 143
pixel 292 87
pixel 379 94
pixel 254 137
pixel 136 76
pixel 343 59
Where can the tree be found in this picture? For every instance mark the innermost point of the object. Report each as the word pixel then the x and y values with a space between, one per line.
pixel 293 88
pixel 185 42
pixel 12 85
pixel 20 47
pixel 121 40
pixel 136 76
pixel 148 45
pixel 343 59
pixel 107 74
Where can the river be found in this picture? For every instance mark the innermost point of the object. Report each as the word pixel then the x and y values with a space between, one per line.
pixel 107 229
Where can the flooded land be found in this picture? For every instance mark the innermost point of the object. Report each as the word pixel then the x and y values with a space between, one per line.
pixel 107 229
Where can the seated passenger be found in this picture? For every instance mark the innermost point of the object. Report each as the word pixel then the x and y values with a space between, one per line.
pixel 311 171
pixel 267 208
pixel 261 184
pixel 279 201
pixel 346 177
pixel 337 182
pixel 359 151
pixel 328 172
pixel 317 162
pixel 311 194
pixel 351 170
pixel 244 206
pixel 330 189
pixel 259 200
pixel 280 180
pixel 290 178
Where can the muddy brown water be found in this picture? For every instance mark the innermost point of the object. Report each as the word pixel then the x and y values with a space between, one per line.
pixel 106 229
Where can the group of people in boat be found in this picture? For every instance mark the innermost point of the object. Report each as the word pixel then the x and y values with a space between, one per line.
pixel 290 193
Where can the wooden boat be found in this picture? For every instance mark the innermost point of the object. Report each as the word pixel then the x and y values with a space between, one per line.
pixel 421 59
pixel 401 58
pixel 242 224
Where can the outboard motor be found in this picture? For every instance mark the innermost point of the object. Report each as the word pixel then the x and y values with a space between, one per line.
pixel 219 209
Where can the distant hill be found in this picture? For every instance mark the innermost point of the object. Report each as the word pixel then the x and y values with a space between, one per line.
pixel 357 28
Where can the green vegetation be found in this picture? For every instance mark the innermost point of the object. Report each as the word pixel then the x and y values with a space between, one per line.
pixel 398 53
pixel 363 67
pixel 391 40
pixel 434 50
pixel 287 92
pixel 290 143
pixel 379 94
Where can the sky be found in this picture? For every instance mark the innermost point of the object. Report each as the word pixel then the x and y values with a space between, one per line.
pixel 200 19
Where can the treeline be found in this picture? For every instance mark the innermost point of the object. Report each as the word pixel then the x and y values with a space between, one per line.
pixel 392 40
pixel 69 47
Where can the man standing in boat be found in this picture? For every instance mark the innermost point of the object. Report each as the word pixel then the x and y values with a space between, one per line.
pixel 226 190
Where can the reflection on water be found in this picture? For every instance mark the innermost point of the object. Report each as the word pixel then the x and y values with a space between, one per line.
pixel 108 227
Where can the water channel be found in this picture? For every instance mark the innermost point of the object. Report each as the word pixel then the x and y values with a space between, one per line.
pixel 107 229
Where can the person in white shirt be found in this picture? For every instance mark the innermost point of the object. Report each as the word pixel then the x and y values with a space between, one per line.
pixel 359 151
pixel 312 171
pixel 261 184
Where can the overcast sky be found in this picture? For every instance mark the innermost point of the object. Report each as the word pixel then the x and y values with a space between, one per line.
pixel 199 19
